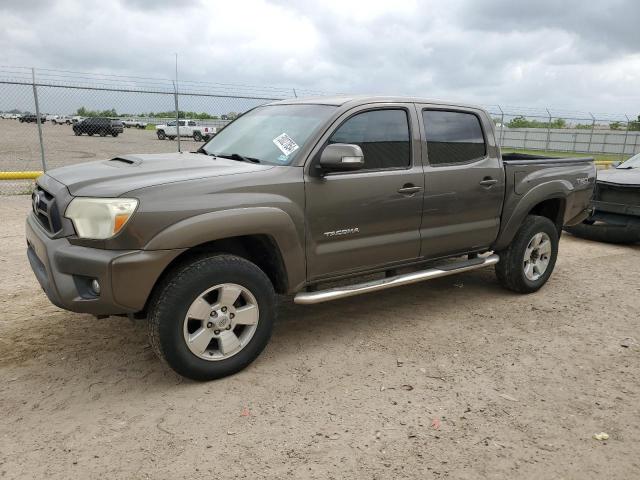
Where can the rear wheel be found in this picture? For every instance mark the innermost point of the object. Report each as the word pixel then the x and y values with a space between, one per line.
pixel 527 263
pixel 171 137
pixel 197 136
pixel 161 135
pixel 212 317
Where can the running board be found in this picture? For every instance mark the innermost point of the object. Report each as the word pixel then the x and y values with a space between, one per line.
pixel 308 298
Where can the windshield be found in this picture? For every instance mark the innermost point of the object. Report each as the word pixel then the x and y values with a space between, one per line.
pixel 633 162
pixel 271 134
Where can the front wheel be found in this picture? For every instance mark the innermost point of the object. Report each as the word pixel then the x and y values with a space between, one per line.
pixel 212 317
pixel 161 135
pixel 527 263
pixel 197 136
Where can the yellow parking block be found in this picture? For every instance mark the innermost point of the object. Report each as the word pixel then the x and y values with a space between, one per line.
pixel 19 175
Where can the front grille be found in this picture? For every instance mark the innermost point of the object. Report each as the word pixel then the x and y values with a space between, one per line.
pixel 614 194
pixel 45 209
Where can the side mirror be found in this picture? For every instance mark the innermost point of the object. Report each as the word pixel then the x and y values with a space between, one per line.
pixel 340 157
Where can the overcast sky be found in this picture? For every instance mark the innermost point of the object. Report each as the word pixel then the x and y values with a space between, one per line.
pixel 579 55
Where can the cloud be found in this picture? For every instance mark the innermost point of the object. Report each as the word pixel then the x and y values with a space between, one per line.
pixel 570 55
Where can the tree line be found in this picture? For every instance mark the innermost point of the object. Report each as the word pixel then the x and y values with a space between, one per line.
pixel 523 122
pixel 85 112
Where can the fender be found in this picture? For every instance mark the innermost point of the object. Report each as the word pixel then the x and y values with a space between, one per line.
pixel 562 189
pixel 218 225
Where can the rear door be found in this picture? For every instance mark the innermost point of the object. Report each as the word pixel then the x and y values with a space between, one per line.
pixel 369 218
pixel 464 181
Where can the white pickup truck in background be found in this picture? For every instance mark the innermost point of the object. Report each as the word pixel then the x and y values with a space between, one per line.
pixel 130 122
pixel 188 128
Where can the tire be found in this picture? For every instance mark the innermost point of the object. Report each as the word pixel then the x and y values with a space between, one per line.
pixel 77 133
pixel 177 294
pixel 197 136
pixel 102 133
pixel 520 275
pixel 114 134
pixel 90 134
pixel 161 135
pixel 171 137
pixel 603 232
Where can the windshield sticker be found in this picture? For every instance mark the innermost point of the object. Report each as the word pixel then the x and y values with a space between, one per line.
pixel 282 158
pixel 286 144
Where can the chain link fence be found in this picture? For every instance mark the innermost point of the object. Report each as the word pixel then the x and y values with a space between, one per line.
pixel 152 111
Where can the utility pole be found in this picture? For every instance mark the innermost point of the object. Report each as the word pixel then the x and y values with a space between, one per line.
pixel 175 87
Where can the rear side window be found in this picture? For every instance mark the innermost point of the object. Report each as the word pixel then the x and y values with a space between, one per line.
pixel 383 136
pixel 453 137
pixel 192 124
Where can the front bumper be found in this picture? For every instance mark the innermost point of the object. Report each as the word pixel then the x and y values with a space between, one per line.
pixel 65 272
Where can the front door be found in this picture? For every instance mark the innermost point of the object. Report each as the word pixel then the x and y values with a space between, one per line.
pixel 369 218
pixel 464 180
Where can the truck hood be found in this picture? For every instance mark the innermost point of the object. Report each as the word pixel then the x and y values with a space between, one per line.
pixel 620 176
pixel 115 177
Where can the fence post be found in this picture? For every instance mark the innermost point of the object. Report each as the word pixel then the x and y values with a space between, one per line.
pixel 626 134
pixel 593 126
pixel 175 96
pixel 501 127
pixel 35 99
pixel 548 131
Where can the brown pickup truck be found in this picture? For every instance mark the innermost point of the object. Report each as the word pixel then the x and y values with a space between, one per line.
pixel 319 198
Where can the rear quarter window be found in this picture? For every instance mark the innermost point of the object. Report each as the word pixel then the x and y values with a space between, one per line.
pixel 453 137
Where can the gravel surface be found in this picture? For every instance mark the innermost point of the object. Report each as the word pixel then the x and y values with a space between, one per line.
pixel 20 147
pixel 453 378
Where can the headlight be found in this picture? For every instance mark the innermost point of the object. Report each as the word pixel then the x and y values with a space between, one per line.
pixel 100 218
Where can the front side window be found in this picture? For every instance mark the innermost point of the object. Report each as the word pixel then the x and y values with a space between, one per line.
pixel 383 136
pixel 192 124
pixel 453 137
pixel 271 134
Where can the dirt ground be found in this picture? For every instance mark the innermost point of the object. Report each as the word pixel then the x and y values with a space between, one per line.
pixel 454 378
pixel 20 147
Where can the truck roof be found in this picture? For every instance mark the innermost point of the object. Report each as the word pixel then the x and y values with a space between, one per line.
pixel 354 100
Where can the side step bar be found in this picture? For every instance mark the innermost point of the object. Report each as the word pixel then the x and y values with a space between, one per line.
pixel 308 298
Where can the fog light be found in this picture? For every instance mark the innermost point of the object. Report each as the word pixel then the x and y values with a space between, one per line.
pixel 95 286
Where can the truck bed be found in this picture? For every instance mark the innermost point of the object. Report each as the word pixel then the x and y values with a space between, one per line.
pixel 528 159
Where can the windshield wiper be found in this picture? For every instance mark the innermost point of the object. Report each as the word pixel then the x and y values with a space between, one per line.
pixel 236 156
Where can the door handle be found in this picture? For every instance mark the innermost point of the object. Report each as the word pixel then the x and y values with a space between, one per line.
pixel 409 189
pixel 488 182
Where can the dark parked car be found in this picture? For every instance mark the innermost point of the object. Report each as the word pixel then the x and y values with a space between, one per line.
pixel 32 118
pixel 616 206
pixel 99 125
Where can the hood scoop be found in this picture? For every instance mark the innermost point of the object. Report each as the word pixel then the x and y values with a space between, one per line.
pixel 124 161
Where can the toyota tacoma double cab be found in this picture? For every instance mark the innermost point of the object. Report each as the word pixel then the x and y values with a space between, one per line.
pixel 320 199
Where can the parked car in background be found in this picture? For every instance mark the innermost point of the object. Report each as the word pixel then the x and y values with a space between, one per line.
pixel 32 118
pixel 62 120
pixel 616 206
pixel 9 116
pixel 76 119
pixel 188 128
pixel 99 125
pixel 289 199
pixel 130 123
pixel 50 117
